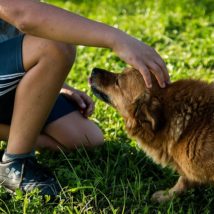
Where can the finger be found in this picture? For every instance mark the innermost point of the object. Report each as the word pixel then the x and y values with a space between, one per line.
pixel 155 69
pixel 89 103
pixel 164 69
pixel 80 102
pixel 90 110
pixel 86 99
pixel 146 76
pixel 159 61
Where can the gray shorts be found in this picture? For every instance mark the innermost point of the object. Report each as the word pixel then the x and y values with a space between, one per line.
pixel 11 73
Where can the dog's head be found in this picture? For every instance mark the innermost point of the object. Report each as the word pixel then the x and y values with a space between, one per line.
pixel 127 93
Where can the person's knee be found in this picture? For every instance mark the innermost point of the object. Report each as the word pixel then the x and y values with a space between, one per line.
pixel 94 137
pixel 62 53
pixel 68 53
pixel 87 134
pixel 37 50
pixel 74 131
pixel 89 137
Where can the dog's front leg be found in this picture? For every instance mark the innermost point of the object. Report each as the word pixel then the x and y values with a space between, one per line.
pixel 165 195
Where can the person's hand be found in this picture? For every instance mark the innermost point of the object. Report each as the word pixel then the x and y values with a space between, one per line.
pixel 142 57
pixel 83 100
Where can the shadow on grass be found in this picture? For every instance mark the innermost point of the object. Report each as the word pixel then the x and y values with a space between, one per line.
pixel 114 178
pixel 119 177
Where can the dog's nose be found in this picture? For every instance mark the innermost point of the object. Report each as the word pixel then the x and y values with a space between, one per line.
pixel 95 71
pixel 93 74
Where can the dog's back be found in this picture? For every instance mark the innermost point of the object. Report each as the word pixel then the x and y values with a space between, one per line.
pixel 189 105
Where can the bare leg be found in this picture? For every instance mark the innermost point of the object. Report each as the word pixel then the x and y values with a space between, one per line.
pixel 45 142
pixel 74 130
pixel 181 186
pixel 42 142
pixel 47 64
pixel 67 133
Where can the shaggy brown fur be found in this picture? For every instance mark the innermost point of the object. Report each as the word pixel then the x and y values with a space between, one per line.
pixel 174 125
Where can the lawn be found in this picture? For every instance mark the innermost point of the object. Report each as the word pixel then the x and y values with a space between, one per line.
pixel 117 177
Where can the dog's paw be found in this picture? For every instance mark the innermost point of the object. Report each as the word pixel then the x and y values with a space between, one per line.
pixel 162 196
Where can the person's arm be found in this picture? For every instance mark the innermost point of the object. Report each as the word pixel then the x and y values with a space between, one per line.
pixel 44 20
pixel 47 21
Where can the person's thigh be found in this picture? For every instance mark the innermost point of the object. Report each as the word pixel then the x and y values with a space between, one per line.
pixel 67 126
pixel 73 130
pixel 67 132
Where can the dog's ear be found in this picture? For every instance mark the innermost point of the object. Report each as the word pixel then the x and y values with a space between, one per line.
pixel 149 112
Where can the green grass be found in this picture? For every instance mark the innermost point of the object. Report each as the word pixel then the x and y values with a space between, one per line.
pixel 118 178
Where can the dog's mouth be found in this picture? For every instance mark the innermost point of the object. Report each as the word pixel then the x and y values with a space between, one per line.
pixel 94 83
pixel 99 94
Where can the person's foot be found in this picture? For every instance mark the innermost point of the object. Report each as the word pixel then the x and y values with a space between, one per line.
pixel 26 174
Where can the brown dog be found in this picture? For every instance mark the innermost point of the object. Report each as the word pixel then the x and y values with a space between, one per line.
pixel 174 125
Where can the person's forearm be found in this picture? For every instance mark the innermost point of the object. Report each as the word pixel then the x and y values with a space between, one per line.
pixel 50 22
pixel 43 20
